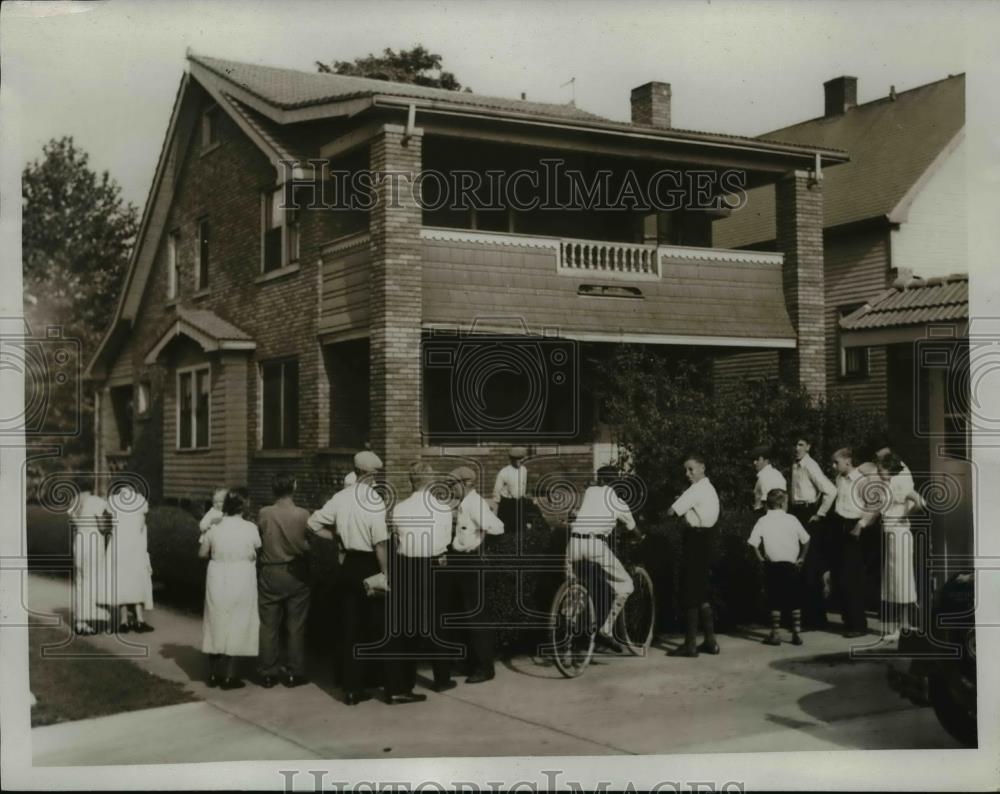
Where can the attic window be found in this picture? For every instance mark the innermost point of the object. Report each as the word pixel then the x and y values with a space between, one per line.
pixel 608 291
pixel 210 128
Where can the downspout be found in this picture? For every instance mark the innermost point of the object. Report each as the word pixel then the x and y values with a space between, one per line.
pixel 411 123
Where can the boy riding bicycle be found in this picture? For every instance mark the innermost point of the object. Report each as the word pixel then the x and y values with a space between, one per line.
pixel 601 510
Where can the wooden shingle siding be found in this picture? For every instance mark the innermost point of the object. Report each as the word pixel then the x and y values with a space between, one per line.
pixel 466 280
pixel 729 371
pixel 346 280
pixel 857 270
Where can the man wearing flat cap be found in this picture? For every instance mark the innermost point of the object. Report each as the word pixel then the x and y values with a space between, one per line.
pixel 473 521
pixel 357 515
pixel 510 488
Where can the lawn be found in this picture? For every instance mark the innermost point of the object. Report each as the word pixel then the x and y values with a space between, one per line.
pixel 79 681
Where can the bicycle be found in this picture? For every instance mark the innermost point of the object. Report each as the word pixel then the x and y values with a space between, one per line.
pixel 574 618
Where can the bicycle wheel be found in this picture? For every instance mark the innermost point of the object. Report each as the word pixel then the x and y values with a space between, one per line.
pixel 572 627
pixel 638 616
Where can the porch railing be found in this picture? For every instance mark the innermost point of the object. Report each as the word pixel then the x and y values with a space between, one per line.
pixel 607 257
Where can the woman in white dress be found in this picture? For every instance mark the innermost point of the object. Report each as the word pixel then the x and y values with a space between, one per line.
pixel 130 583
pixel 231 625
pixel 899 586
pixel 88 517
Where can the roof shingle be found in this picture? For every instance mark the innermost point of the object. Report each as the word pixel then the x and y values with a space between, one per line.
pixel 933 300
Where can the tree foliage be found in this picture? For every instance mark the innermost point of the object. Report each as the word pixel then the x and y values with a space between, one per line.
pixel 418 66
pixel 76 235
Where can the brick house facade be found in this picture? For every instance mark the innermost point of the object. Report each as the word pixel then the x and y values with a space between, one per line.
pixel 252 338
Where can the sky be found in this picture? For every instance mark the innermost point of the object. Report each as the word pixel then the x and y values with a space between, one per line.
pixel 106 72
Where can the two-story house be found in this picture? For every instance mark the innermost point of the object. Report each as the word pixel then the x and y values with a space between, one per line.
pixel 257 332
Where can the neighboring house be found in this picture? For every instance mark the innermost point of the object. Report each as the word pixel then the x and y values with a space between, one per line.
pixel 896 324
pixel 252 337
pixel 897 208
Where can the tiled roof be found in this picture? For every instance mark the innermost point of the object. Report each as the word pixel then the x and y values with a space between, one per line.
pixel 891 144
pixel 291 88
pixel 933 300
pixel 212 325
pixel 277 137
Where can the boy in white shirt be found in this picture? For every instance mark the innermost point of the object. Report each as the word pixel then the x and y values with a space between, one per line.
pixel 698 508
pixel 768 477
pixel 785 541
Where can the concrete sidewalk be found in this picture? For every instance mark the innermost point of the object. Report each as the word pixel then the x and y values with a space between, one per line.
pixel 749 698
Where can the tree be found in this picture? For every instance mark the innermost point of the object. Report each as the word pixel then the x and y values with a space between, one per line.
pixel 76 235
pixel 418 66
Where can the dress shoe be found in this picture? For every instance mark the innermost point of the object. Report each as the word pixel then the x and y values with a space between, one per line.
pixel 772 639
pixel 212 682
pixel 268 681
pixel 796 639
pixel 232 683
pixel 293 681
pixel 444 686
pixel 405 697
pixel 353 698
pixel 712 649
pixel 853 635
pixel 85 631
pixel 124 628
pixel 479 677
pixel 608 642
pixel 142 627
pixel 684 651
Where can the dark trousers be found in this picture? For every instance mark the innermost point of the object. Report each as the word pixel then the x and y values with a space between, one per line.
pixel 474 631
pixel 283 600
pixel 420 594
pixel 848 557
pixel 361 620
pixel 815 565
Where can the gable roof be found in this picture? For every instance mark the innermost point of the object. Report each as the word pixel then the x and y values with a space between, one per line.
pixel 204 327
pixel 918 302
pixel 892 143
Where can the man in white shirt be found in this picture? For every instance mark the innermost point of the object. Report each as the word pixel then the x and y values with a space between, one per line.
pixel 419 589
pixel 698 508
pixel 357 515
pixel 768 477
pixel 600 511
pixel 473 522
pixel 812 497
pixel 510 488
pixel 847 549
pixel 785 545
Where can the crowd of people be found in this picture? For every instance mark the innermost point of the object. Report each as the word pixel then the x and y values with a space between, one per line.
pixel 402 571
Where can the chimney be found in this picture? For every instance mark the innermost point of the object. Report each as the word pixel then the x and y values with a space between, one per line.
pixel 651 105
pixel 841 94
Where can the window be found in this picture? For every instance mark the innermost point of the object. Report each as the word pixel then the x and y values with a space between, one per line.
pixel 193 390
pixel 280 233
pixel 209 128
pixel 142 399
pixel 121 406
pixel 853 360
pixel 173 241
pixel 201 272
pixel 279 381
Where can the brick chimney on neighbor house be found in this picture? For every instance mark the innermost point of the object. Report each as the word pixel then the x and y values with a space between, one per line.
pixel 840 95
pixel 651 105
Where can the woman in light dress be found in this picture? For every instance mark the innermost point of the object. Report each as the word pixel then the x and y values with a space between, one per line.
pixel 130 583
pixel 231 625
pixel 88 517
pixel 899 586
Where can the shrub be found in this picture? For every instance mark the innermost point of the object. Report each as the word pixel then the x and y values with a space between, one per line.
pixel 173 552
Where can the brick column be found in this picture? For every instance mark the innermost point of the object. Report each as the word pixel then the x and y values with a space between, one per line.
pixel 799 226
pixel 396 307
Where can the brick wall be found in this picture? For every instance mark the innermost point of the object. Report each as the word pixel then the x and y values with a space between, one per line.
pixel 395 307
pixel 799 212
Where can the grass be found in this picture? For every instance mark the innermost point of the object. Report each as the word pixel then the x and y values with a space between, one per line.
pixel 80 681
